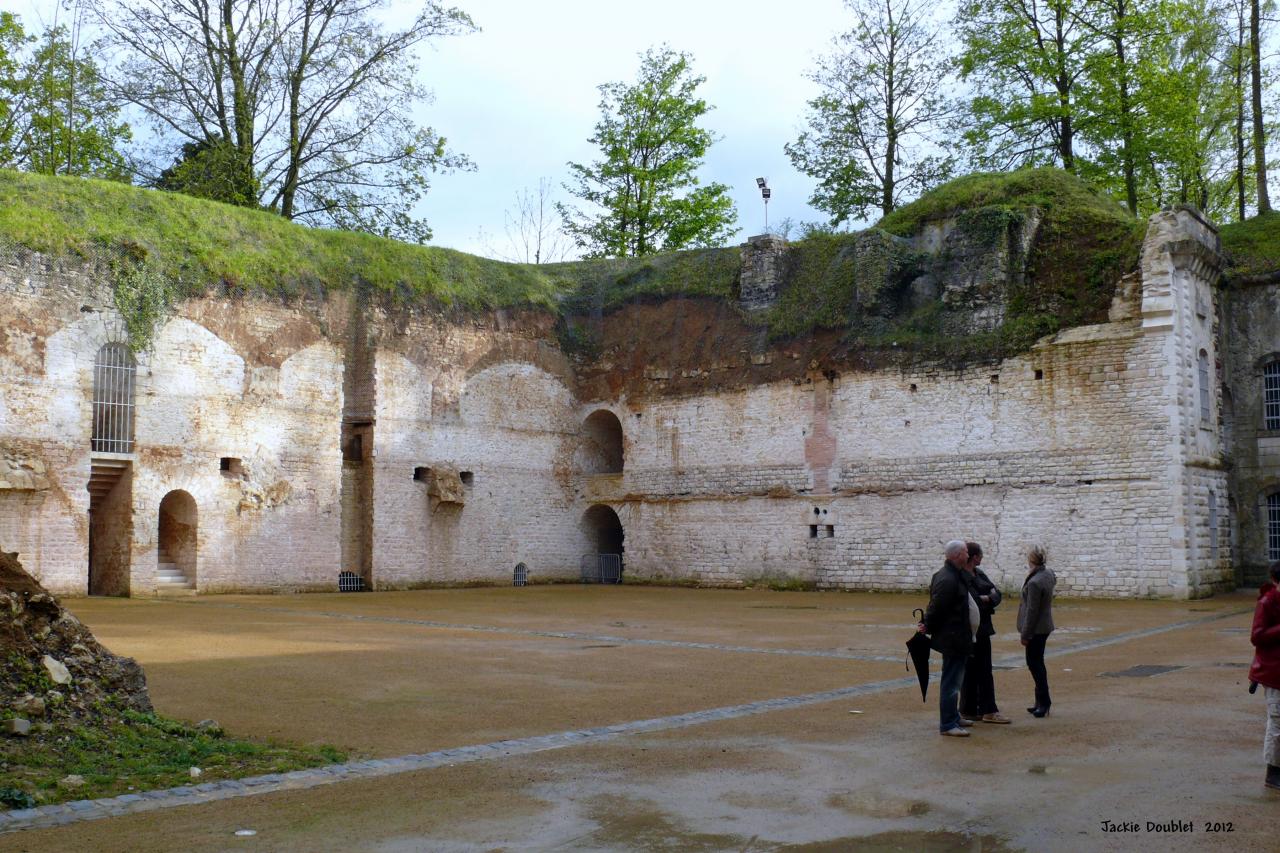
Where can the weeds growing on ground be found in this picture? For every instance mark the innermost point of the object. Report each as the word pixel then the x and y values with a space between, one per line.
pixel 127 751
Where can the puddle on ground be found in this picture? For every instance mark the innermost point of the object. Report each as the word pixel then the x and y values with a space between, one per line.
pixel 604 646
pixel 872 804
pixel 915 842
pixel 622 825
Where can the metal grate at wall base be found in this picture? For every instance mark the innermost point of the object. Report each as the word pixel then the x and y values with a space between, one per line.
pixel 350 582
pixel 601 568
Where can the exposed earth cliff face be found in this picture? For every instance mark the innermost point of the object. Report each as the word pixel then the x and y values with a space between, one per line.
pixel 54 670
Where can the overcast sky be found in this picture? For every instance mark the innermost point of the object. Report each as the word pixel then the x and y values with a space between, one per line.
pixel 519 97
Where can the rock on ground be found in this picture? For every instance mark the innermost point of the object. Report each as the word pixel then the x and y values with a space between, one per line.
pixel 46 647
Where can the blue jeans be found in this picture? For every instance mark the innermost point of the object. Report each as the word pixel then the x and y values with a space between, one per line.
pixel 949 691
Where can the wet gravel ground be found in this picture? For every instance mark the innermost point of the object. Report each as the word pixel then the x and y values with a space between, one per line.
pixel 724 720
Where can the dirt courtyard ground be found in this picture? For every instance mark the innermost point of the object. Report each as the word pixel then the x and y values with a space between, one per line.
pixel 854 762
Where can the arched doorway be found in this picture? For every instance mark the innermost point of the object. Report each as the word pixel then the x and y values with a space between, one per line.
pixel 176 544
pixel 602 443
pixel 604 529
pixel 604 532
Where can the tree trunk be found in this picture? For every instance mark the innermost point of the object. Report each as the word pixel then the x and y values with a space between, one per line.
pixel 890 123
pixel 1259 132
pixel 289 190
pixel 1065 149
pixel 241 109
pixel 1126 112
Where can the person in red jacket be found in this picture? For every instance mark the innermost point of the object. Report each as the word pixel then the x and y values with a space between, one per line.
pixel 1266 668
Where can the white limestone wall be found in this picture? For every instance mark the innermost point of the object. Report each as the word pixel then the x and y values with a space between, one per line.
pixel 198 399
pixel 512 430
pixel 1091 445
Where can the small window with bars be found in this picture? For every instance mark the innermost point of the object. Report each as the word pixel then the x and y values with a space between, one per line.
pixel 1273 527
pixel 114 375
pixel 1271 395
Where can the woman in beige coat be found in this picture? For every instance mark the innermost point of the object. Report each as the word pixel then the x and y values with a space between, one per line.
pixel 1035 623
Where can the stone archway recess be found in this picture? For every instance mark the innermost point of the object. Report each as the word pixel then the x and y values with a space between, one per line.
pixel 602 440
pixel 176 548
pixel 604 529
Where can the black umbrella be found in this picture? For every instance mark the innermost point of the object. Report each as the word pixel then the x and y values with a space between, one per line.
pixel 918 649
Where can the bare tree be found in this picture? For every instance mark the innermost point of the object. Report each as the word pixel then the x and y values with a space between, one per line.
pixel 533 227
pixel 315 98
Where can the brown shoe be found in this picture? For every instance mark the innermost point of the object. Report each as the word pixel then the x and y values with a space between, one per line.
pixel 996 718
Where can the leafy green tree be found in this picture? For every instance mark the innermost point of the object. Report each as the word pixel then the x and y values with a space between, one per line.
pixel 1256 8
pixel 73 128
pixel 212 169
pixel 880 107
pixel 13 41
pixel 1026 60
pixel 1191 110
pixel 55 116
pixel 1118 81
pixel 644 193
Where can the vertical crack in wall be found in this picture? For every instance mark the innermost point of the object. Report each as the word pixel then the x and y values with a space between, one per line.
pixel 359 398
pixel 820 444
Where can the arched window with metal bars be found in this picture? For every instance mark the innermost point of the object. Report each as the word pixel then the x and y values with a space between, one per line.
pixel 1271 395
pixel 114 374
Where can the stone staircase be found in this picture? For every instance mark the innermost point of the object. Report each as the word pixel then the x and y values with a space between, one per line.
pixel 170 580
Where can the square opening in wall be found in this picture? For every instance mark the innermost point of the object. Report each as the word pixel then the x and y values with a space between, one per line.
pixel 995 379
pixel 230 466
pixel 353 450
pixel 831 531
pixel 813 531
pixel 421 474
pixel 1039 374
pixel 467 477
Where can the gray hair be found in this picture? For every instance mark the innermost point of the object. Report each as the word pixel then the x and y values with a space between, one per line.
pixel 955 546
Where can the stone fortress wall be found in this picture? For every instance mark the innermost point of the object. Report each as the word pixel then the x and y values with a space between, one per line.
pixel 279 444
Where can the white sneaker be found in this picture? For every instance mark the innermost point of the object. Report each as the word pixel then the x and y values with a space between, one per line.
pixel 956 732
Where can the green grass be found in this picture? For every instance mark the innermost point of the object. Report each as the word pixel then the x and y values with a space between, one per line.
pixel 1253 246
pixel 1086 242
pixel 131 752
pixel 607 284
pixel 205 245
pixel 1048 188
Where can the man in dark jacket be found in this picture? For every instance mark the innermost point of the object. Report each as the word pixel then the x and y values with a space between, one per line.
pixel 950 621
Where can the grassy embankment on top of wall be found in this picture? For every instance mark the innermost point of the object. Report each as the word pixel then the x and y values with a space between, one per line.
pixel 202 245
pixel 1252 247
pixel 162 246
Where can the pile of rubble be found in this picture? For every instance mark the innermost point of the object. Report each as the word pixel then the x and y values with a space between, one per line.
pixel 53 670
